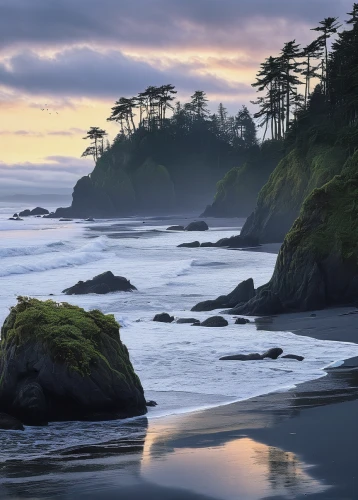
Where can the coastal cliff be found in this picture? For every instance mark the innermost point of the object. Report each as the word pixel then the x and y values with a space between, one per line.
pixel 237 192
pixel 317 265
pixel 301 171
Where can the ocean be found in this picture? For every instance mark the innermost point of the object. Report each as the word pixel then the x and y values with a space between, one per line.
pixel 178 364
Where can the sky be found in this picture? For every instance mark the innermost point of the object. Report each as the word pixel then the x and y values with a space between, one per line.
pixel 63 64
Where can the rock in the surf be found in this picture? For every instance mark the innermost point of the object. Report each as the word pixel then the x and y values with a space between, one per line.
pixel 60 362
pixel 194 244
pixel 273 353
pixel 293 356
pixel 103 283
pixel 175 228
pixel 8 423
pixel 192 321
pixel 197 226
pixel 214 322
pixel 242 321
pixel 241 294
pixel 163 318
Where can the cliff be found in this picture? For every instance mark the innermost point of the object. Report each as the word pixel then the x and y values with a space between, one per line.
pixel 237 192
pixel 317 265
pixel 302 170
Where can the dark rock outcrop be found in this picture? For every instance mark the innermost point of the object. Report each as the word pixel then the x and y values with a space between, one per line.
pixel 240 295
pixel 273 353
pixel 238 242
pixel 35 211
pixel 242 321
pixel 214 322
pixel 151 404
pixel 293 356
pixel 207 244
pixel 163 318
pixel 243 357
pixel 175 228
pixel 194 244
pixel 103 283
pixel 197 226
pixel 15 218
pixel 183 321
pixel 59 362
pixel 8 423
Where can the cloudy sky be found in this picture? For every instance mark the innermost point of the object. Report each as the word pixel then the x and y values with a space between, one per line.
pixel 74 58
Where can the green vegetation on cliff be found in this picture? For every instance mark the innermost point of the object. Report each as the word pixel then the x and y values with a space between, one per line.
pixel 297 174
pixel 159 162
pixel 237 192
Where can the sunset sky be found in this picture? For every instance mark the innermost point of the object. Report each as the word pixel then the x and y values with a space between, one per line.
pixel 76 57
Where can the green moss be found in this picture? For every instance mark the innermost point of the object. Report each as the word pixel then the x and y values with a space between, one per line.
pixel 297 175
pixel 328 222
pixel 72 335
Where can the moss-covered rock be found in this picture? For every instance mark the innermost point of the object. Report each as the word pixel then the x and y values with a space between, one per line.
pixel 280 200
pixel 317 265
pixel 59 362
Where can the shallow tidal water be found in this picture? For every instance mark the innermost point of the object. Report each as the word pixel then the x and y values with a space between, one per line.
pixel 178 364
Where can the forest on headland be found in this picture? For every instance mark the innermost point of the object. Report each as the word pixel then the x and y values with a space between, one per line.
pixel 169 155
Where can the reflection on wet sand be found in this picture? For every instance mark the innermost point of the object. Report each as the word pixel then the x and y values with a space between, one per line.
pixel 242 468
pixel 76 470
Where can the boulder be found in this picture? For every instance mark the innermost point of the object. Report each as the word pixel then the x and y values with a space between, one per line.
pixel 39 211
pixel 238 242
pixel 103 283
pixel 242 321
pixel 151 403
pixel 273 353
pixel 194 244
pixel 15 218
pixel 35 211
pixel 240 295
pixel 25 213
pixel 90 219
pixel 265 302
pixel 61 363
pixel 163 318
pixel 293 356
pixel 243 357
pixel 214 322
pixel 197 226
pixel 207 244
pixel 175 228
pixel 8 423
pixel 183 321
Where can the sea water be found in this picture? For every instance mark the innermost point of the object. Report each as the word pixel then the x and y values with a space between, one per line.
pixel 178 364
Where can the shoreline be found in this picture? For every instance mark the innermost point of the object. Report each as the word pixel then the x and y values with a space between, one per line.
pixel 315 411
pixel 293 434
